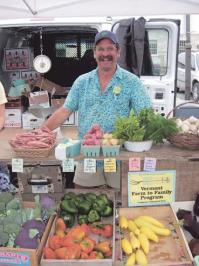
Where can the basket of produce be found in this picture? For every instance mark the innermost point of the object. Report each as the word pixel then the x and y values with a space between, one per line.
pixel 188 135
pixel 91 142
pixel 37 143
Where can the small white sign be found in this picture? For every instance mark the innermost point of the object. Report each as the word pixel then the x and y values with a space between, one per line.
pixel 149 164
pixel 17 165
pixel 68 165
pixel 40 189
pixel 89 165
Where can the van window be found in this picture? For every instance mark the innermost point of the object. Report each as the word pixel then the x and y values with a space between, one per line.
pixel 73 46
pixel 158 44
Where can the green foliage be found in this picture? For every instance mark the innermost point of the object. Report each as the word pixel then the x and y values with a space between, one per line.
pixel 147 125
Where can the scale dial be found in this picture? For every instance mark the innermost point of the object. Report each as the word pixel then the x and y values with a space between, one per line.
pixel 42 63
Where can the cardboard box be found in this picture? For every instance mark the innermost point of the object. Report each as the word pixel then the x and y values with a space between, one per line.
pixel 30 121
pixel 12 117
pixel 57 102
pixel 84 262
pixel 14 103
pixel 171 250
pixel 34 254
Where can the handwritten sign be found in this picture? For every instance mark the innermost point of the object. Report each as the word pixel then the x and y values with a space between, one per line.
pixel 149 164
pixel 68 165
pixel 17 165
pixel 14 258
pixel 134 164
pixel 109 165
pixel 89 165
pixel 151 188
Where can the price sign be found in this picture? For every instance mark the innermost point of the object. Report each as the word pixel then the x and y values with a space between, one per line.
pixel 89 165
pixel 17 165
pixel 68 165
pixel 14 258
pixel 110 165
pixel 149 164
pixel 151 188
pixel 134 164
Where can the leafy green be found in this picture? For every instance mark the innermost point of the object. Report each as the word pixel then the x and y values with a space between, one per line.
pixel 147 125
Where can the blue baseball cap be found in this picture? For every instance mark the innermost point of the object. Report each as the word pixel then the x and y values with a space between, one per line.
pixel 105 34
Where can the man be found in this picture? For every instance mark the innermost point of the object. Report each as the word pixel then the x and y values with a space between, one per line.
pixel 3 100
pixel 100 96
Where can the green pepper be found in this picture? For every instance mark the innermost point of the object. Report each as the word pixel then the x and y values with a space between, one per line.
pixel 79 198
pixel 106 211
pixel 84 207
pixel 69 206
pixel 82 219
pixel 68 218
pixel 98 205
pixel 90 196
pixel 104 198
pixel 93 216
pixel 69 195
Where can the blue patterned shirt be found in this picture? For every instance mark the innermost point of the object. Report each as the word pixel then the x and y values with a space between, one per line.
pixel 97 107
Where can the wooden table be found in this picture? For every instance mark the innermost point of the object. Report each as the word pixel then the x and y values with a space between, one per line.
pixel 185 162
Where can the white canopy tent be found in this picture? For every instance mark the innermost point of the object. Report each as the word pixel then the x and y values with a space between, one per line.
pixel 12 9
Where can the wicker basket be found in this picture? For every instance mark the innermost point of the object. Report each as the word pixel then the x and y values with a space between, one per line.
pixel 32 153
pixel 184 140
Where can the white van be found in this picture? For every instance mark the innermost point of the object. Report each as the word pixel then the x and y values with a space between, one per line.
pixel 69 42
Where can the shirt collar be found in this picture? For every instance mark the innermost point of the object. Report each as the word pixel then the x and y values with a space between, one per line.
pixel 117 75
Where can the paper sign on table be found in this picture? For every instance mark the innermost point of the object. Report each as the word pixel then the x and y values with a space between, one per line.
pixel 151 188
pixel 149 164
pixel 17 165
pixel 68 165
pixel 89 165
pixel 134 164
pixel 109 165
pixel 14 258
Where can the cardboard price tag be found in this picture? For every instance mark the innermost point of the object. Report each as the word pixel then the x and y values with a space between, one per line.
pixel 89 165
pixel 151 188
pixel 68 165
pixel 149 164
pixel 17 165
pixel 134 164
pixel 109 165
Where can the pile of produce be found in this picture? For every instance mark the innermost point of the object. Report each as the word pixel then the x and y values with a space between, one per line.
pixel 96 136
pixel 190 223
pixel 76 243
pixel 84 208
pixel 189 125
pixel 147 125
pixel 23 227
pixel 81 230
pixel 136 237
pixel 34 139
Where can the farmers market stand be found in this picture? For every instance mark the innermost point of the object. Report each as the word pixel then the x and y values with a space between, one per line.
pixel 168 157
pixel 185 162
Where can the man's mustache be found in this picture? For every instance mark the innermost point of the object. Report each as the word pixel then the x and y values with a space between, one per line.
pixel 105 58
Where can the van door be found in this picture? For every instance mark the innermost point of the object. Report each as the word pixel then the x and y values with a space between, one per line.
pixel 163 36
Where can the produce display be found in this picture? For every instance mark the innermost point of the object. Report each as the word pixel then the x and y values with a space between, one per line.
pixel 137 235
pixel 23 227
pixel 189 125
pixel 147 125
pixel 34 139
pixel 96 136
pixel 83 228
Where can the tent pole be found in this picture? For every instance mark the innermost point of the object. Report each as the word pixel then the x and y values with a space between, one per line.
pixel 29 7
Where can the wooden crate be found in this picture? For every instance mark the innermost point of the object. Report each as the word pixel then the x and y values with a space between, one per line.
pixel 171 250
pixel 84 262
pixel 34 254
